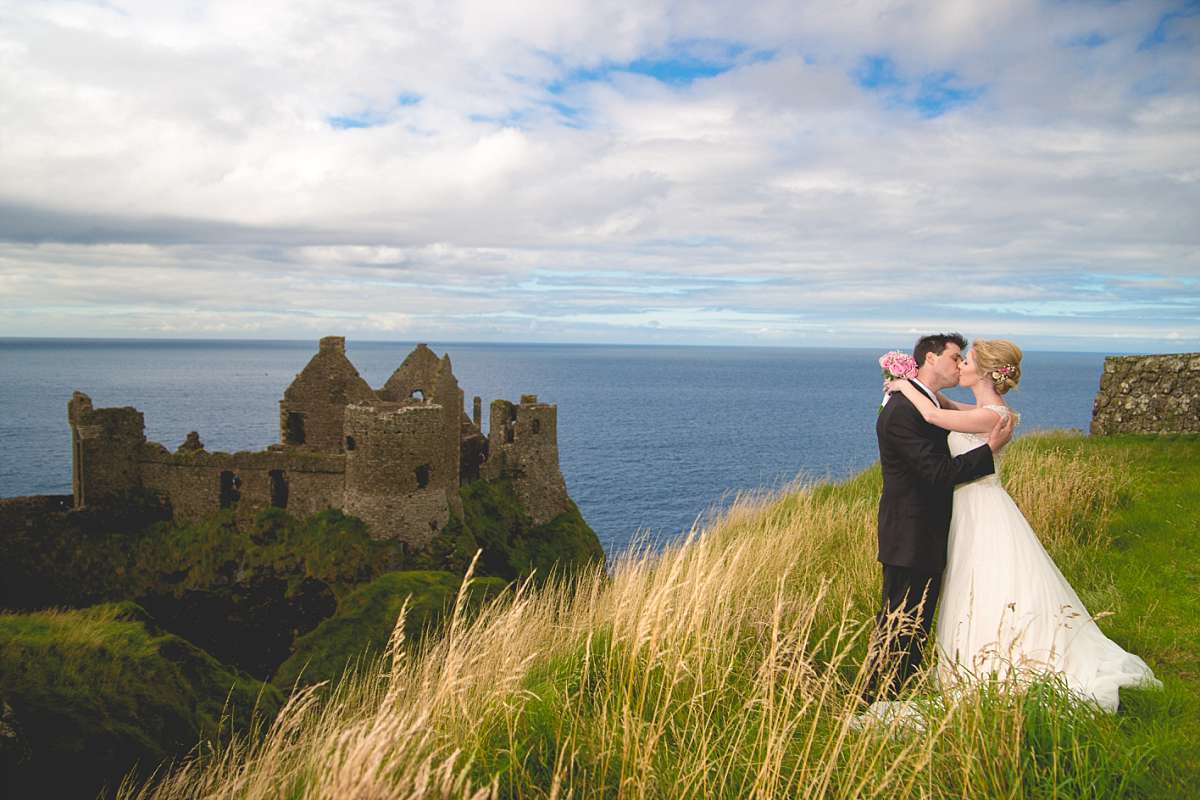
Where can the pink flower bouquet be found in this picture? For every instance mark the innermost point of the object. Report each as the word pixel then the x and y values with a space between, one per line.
pixel 896 364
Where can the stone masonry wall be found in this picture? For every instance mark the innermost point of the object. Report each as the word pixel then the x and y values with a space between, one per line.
pixel 1148 394
pixel 200 483
pixel 523 444
pixel 399 477
pixel 395 459
pixel 106 444
pixel 310 413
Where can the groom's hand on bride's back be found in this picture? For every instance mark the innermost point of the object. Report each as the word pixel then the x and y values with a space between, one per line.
pixel 1001 432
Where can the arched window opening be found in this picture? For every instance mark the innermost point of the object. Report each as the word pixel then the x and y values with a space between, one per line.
pixel 422 476
pixel 231 489
pixel 510 425
pixel 294 432
pixel 279 488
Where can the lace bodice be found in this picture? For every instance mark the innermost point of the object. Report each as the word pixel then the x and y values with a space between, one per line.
pixel 962 442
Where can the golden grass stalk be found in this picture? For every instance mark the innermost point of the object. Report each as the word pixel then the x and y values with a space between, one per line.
pixel 730 663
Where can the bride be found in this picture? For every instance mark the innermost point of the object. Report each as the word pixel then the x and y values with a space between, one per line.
pixel 1005 605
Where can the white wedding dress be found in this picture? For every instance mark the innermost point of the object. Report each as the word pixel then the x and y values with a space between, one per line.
pixel 1005 604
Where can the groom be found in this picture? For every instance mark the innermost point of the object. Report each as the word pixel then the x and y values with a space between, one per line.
pixel 919 477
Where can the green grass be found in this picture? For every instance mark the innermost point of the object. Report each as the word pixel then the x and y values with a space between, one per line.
pixel 512 546
pixel 96 691
pixel 1149 577
pixel 244 592
pixel 731 665
pixel 366 617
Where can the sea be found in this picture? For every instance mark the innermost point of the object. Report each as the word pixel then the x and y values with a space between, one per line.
pixel 651 438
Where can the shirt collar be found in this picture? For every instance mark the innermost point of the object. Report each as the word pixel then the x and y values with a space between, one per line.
pixel 932 395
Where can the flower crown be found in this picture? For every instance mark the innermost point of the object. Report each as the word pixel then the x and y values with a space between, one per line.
pixel 1004 371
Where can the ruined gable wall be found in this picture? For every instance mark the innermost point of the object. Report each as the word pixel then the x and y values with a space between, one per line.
pixel 449 396
pixel 316 400
pixel 425 377
pixel 199 484
pixel 418 372
pixel 1148 394
pixel 396 449
pixel 523 446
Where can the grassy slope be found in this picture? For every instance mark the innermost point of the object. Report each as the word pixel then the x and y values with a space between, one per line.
pixel 98 690
pixel 366 617
pixel 730 665
pixel 1150 579
pixel 513 546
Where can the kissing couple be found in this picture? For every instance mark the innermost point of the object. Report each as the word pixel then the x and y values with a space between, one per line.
pixel 948 530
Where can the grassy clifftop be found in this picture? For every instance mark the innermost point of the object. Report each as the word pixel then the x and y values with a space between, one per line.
pixel 93 691
pixel 730 665
pixel 365 618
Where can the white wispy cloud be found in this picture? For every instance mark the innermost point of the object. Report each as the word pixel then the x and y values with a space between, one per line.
pixel 695 172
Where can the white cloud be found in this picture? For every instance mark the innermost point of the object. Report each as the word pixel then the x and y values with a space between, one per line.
pixel 183 157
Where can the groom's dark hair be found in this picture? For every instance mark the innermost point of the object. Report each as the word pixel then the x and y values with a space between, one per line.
pixel 935 343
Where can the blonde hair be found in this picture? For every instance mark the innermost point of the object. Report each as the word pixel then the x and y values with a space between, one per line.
pixel 999 361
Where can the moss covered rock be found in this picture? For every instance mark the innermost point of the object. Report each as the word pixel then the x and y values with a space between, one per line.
pixel 244 591
pixel 367 616
pixel 513 546
pixel 101 690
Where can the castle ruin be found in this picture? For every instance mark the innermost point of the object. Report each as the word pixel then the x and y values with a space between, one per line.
pixel 394 457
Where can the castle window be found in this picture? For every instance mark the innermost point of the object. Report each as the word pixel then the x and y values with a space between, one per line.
pixel 350 443
pixel 537 426
pixel 510 427
pixel 417 394
pixel 231 486
pixel 294 432
pixel 422 476
pixel 279 488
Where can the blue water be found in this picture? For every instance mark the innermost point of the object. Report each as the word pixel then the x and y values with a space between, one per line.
pixel 649 437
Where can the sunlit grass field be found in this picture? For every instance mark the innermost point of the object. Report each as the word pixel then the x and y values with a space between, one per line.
pixel 732 665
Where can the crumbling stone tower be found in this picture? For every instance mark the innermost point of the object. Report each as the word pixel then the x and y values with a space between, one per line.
pixel 523 445
pixel 400 478
pixel 106 446
pixel 312 409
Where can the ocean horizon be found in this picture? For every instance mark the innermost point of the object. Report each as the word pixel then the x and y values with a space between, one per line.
pixel 651 437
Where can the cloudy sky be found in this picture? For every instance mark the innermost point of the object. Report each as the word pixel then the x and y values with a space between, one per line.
pixel 769 173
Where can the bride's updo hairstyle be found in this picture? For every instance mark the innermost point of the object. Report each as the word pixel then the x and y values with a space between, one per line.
pixel 999 361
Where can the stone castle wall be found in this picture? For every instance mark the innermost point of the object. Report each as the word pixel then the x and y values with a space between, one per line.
pixel 199 483
pixel 105 447
pixel 310 413
pixel 394 458
pixel 1148 394
pixel 399 477
pixel 523 444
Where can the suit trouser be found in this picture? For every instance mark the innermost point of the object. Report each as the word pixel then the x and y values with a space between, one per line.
pixel 901 638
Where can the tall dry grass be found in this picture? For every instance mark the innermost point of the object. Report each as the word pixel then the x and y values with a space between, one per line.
pixel 729 664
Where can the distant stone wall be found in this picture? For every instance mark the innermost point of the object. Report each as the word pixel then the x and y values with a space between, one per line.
pixel 105 443
pixel 311 411
pixel 200 483
pixel 396 459
pixel 1148 394
pixel 523 444
pixel 400 479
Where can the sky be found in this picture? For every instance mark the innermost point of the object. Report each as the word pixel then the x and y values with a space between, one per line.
pixel 767 173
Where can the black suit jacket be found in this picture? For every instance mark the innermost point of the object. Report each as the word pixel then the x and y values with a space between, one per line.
pixel 919 477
